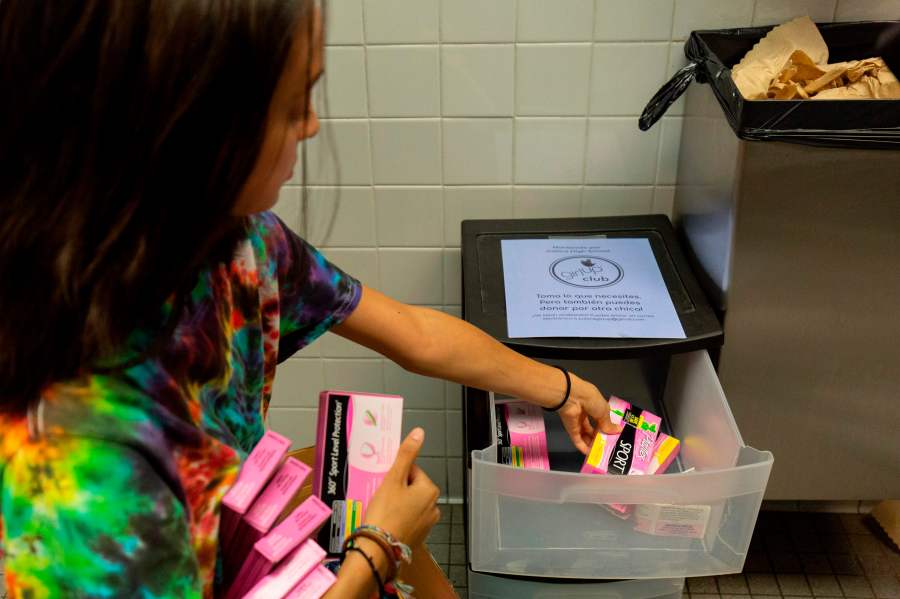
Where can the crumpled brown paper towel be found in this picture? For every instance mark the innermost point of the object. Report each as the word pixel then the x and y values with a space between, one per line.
pixel 791 62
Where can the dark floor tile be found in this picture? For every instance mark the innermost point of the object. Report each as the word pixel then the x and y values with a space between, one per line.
pixel 763 584
pixel 856 586
pixel 794 584
pixel 836 543
pixel 456 513
pixel 706 584
pixel 778 542
pixel 824 585
pixel 457 533
pixel 815 563
pixel 885 587
pixel 439 534
pixel 457 576
pixel 730 596
pixel 440 552
pixel 757 563
pixel 462 592
pixel 786 563
pixel 866 544
pixel 877 564
pixel 458 554
pixel 705 596
pixel 801 523
pixel 734 584
pixel 845 564
pixel 894 557
pixel 807 542
pixel 854 524
pixel 446 514
pixel 766 597
pixel 828 523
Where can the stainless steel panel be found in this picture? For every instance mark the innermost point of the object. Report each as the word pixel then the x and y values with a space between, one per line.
pixel 803 241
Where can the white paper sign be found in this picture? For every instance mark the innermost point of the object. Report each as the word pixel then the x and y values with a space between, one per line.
pixel 587 287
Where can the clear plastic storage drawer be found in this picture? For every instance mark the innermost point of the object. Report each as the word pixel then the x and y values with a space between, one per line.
pixel 700 518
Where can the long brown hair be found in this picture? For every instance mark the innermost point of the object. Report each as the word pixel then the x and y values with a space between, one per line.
pixel 127 130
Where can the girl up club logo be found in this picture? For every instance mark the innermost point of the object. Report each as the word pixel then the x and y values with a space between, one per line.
pixel 586 271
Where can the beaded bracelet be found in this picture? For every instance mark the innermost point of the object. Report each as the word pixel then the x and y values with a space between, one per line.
pixel 401 551
pixel 393 564
pixel 372 567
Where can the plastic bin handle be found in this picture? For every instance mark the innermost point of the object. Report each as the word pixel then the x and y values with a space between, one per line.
pixel 599 495
pixel 667 95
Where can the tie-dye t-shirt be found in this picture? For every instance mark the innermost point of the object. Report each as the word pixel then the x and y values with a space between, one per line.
pixel 111 485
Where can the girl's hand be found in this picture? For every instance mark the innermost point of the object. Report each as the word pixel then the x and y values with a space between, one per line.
pixel 585 403
pixel 405 503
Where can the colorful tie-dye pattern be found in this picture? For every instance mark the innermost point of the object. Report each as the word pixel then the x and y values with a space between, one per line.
pixel 111 486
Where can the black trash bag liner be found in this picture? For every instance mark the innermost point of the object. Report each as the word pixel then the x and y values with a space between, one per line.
pixel 834 123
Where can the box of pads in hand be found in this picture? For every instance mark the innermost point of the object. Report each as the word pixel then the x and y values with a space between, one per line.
pixel 630 451
pixel 357 439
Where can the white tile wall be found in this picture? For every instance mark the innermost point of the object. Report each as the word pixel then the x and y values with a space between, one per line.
pixel 478 21
pixel 552 79
pixel 557 21
pixel 550 150
pixel 443 110
pixel 401 21
pixel 409 216
pixel 477 151
pixel 403 81
pixel 406 151
pixel 344 83
pixel 340 216
pixel 478 79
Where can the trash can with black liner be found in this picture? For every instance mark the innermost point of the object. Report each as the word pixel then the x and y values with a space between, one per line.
pixel 791 211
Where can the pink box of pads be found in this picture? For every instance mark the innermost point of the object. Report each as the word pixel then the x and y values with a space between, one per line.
pixel 357 439
pixel 664 453
pixel 289 573
pixel 630 451
pixel 313 585
pixel 255 472
pixel 264 511
pixel 521 436
pixel 274 546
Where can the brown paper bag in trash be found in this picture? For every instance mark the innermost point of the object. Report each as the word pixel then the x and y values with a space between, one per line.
pixel 769 56
pixel 791 62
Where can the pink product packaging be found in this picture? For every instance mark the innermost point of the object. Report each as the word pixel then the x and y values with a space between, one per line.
pixel 264 511
pixel 521 436
pixel 665 450
pixel 255 473
pixel 289 573
pixel 630 451
pixel 313 585
pixel 274 546
pixel 357 439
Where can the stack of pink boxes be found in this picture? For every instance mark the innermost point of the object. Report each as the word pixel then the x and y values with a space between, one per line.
pixel 262 559
pixel 357 439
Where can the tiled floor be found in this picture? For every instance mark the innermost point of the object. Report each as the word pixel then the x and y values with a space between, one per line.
pixel 793 554
pixel 447 545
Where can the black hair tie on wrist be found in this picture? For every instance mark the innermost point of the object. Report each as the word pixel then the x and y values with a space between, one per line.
pixel 375 572
pixel 568 390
